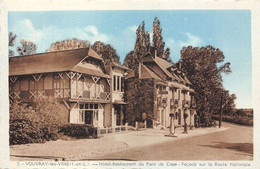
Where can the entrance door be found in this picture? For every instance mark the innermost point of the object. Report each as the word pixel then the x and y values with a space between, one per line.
pixel 117 114
pixel 88 117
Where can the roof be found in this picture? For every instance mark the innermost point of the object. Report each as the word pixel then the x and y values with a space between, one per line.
pixel 90 71
pixel 131 74
pixel 146 73
pixel 119 66
pixel 53 62
pixel 119 102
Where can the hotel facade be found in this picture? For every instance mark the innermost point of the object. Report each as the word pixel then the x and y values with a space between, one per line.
pixel 97 94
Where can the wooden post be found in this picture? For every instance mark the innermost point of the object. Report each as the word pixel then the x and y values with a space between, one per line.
pixel 221 111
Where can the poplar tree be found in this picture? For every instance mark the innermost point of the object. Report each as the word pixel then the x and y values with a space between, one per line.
pixel 158 42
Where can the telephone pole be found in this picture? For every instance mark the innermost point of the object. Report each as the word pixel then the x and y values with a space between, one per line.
pixel 221 111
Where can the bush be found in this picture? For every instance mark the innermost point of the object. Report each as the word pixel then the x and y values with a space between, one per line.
pixel 79 130
pixel 242 120
pixel 23 132
pixel 36 122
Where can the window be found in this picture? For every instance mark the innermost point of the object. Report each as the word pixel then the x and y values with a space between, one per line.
pixel 114 83
pixel 88 112
pixel 118 83
pixel 122 84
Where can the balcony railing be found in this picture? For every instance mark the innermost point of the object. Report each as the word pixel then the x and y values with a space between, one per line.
pixel 86 94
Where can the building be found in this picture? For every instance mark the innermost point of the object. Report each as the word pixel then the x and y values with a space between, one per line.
pixel 165 89
pixel 91 92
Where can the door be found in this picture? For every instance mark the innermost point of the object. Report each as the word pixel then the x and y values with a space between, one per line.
pixel 88 117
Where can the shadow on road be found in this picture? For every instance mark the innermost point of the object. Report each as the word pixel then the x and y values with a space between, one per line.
pixel 241 147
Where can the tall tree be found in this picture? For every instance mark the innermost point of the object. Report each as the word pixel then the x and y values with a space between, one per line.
pixel 142 43
pixel 68 44
pixel 107 52
pixel 12 38
pixel 141 48
pixel 130 60
pixel 27 48
pixel 158 42
pixel 201 68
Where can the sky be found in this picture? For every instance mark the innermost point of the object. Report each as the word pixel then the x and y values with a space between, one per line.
pixel 228 30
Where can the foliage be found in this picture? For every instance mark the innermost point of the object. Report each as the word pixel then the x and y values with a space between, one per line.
pixel 79 130
pixel 107 52
pixel 27 48
pixel 68 45
pixel 130 60
pixel 143 46
pixel 11 38
pixel 201 68
pixel 37 122
pixel 242 120
pixel 140 96
pixel 158 42
pixel 23 131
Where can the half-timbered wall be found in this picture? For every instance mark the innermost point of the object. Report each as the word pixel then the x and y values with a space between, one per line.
pixel 60 85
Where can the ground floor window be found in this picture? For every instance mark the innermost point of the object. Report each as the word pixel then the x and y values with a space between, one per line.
pixel 88 113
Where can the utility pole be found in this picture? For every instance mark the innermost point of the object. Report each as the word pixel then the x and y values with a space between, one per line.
pixel 221 111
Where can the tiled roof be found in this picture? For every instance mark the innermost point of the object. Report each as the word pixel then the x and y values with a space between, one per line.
pixel 51 62
pixel 146 73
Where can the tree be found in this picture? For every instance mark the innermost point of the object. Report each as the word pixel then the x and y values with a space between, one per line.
pixel 130 60
pixel 142 44
pixel 158 42
pixel 107 52
pixel 27 48
pixel 141 48
pixel 12 38
pixel 68 45
pixel 201 68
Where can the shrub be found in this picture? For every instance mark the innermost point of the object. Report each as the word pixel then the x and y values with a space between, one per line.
pixel 23 132
pixel 79 130
pixel 242 120
pixel 36 122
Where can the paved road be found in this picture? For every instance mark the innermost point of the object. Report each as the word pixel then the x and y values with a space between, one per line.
pixel 236 143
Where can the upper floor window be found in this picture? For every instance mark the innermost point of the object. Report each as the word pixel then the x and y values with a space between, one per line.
pixel 118 83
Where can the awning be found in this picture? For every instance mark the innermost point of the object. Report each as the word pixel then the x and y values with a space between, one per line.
pixel 119 102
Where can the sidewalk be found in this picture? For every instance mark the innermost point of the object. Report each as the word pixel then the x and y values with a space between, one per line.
pixel 89 148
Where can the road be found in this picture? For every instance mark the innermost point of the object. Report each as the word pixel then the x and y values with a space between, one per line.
pixel 235 143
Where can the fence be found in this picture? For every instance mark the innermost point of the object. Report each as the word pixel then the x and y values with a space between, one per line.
pixel 108 130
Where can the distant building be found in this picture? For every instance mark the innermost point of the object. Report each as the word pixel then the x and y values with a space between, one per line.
pixel 166 90
pixel 91 92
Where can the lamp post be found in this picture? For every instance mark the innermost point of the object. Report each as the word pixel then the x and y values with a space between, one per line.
pixel 185 118
pixel 172 126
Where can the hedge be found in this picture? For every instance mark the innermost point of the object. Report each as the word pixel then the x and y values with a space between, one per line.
pixel 242 120
pixel 79 130
pixel 23 132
